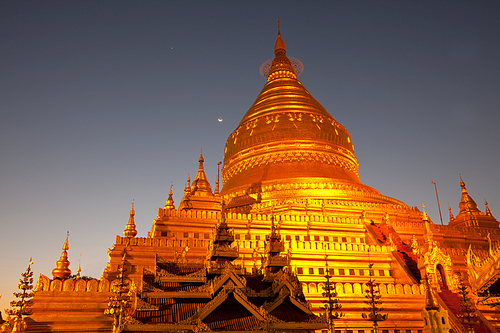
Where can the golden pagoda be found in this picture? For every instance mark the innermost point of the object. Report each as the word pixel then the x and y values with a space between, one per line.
pixel 62 270
pixel 291 196
pixel 130 230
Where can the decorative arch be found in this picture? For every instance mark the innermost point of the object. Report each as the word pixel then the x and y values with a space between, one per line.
pixel 68 285
pixel 56 285
pixel 80 285
pixel 439 268
pixel 92 285
pixel 104 285
pixel 312 288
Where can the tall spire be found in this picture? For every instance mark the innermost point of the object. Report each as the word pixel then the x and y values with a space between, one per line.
pixel 200 182
pixel 281 66
pixel 130 230
pixel 467 204
pixel 201 160
pixel 428 232
pixel 279 45
pixel 62 270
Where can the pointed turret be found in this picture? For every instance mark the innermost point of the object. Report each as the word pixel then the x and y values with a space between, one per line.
pixel 200 182
pixel 187 188
pixel 469 215
pixel 424 214
pixel 170 200
pixel 62 270
pixel 452 218
pixel 130 230
pixel 274 262
pixel 488 211
pixel 198 194
pixel 467 204
pixel 429 235
pixel 221 251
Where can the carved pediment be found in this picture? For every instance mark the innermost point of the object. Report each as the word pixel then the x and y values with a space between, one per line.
pixel 482 273
pixel 229 275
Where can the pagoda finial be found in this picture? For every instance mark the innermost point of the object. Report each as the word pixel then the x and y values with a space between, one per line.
pixel 462 184
pixel 62 270
pixel 425 217
pixel 66 244
pixel 279 45
pixel 201 160
pixel 451 213
pixel 200 182
pixel 130 230
pixel 488 211
pixel 467 204
pixel 79 270
pixel 170 200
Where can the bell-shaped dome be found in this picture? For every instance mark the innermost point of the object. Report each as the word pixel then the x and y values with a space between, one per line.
pixel 287 136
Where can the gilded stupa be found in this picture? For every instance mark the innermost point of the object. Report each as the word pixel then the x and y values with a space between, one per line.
pixel 62 270
pixel 292 210
pixel 288 148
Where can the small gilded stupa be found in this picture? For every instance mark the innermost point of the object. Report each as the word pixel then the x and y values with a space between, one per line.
pixel 130 230
pixel 198 194
pixel 469 214
pixel 62 270
pixel 169 204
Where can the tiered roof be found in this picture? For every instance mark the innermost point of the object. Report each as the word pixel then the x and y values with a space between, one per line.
pixel 192 296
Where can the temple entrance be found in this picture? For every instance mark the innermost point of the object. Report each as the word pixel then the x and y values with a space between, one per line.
pixel 441 277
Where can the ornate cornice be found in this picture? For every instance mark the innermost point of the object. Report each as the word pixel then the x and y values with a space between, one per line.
pixel 287 153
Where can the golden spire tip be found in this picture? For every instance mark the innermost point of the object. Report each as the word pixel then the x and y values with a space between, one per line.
pixel 424 213
pixel 66 243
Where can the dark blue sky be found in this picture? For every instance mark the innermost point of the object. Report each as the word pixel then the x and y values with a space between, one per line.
pixel 103 102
